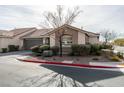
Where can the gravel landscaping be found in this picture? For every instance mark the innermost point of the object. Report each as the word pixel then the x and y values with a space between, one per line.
pixel 75 59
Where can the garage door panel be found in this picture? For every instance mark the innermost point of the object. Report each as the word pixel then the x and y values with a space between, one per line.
pixel 28 43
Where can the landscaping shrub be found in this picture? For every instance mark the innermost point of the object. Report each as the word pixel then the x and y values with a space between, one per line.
pixel 44 47
pixel 35 49
pixel 95 58
pixel 120 55
pixel 75 49
pixel 95 49
pixel 98 53
pixel 87 49
pixel 104 46
pixel 55 50
pixel 79 50
pixel 13 48
pixel 16 47
pixel 4 50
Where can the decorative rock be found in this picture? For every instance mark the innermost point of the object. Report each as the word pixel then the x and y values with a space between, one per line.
pixel 47 53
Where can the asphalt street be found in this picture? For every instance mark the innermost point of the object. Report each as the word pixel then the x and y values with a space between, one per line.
pixel 14 73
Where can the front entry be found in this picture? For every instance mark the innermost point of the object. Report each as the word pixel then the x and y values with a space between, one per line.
pixel 66 44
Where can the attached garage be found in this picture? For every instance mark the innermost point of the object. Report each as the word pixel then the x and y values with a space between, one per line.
pixel 30 42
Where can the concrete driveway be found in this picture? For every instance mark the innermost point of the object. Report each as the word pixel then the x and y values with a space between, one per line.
pixel 14 73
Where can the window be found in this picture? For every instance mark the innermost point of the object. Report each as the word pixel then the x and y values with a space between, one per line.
pixel 66 40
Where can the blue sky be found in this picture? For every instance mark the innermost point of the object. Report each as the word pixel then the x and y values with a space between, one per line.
pixel 94 18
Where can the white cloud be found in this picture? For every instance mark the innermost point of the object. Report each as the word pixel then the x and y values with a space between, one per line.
pixel 93 18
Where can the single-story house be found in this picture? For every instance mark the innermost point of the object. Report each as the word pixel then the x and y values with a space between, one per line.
pixel 28 37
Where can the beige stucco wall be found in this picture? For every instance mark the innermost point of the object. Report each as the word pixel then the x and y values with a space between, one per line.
pixel 93 40
pixel 4 42
pixel 52 39
pixel 17 41
pixel 81 38
pixel 67 31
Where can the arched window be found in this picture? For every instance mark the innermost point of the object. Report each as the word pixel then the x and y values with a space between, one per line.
pixel 66 40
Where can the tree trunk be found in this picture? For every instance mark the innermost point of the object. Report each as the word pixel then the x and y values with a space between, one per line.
pixel 60 46
pixel 106 41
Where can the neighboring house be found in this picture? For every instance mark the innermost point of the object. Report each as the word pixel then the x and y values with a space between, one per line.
pixel 28 37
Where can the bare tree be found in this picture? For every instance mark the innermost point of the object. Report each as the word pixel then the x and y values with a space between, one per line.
pixel 58 18
pixel 108 35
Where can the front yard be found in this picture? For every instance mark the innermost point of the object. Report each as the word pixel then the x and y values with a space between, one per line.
pixel 80 54
pixel 76 59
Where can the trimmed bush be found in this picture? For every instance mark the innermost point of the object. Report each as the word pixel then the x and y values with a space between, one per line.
pixel 75 49
pixel 44 47
pixel 87 49
pixel 95 48
pixel 4 50
pixel 16 47
pixel 55 50
pixel 82 50
pixel 35 49
pixel 104 46
pixel 13 48
pixel 79 50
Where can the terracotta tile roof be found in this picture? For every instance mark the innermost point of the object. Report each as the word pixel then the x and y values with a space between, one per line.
pixel 72 27
pixel 40 32
pixel 5 33
pixel 14 32
pixel 37 33
pixel 21 30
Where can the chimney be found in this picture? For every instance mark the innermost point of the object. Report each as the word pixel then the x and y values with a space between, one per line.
pixel 82 27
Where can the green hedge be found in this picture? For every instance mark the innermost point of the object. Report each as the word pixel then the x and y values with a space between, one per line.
pixel 4 50
pixel 40 49
pixel 95 49
pixel 43 47
pixel 35 49
pixel 89 49
pixel 79 50
pixel 13 48
pixel 103 46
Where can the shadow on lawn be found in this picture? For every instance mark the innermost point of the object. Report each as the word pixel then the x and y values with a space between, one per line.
pixel 69 77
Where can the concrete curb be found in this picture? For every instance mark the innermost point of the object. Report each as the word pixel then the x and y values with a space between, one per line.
pixel 69 64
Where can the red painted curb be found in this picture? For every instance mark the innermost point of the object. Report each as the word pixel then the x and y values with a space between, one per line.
pixel 67 64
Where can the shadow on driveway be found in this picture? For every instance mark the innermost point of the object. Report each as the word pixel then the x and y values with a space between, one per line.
pixel 80 75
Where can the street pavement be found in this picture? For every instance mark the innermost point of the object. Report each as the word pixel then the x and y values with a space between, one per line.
pixel 14 73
